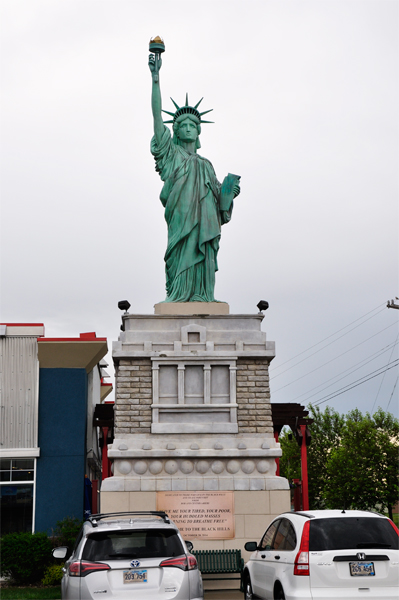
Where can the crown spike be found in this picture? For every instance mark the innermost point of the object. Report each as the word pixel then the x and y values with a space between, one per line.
pixel 175 103
pixel 187 109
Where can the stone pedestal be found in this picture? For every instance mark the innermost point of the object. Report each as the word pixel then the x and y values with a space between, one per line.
pixel 192 413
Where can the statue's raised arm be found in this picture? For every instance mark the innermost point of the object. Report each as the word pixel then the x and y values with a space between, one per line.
pixel 196 204
pixel 155 63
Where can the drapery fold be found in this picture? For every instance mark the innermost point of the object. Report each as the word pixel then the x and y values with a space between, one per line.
pixel 190 195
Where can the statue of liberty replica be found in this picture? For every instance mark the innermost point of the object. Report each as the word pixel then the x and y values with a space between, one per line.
pixel 193 417
pixel 196 204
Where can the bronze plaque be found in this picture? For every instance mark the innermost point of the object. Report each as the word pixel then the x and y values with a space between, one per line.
pixel 200 515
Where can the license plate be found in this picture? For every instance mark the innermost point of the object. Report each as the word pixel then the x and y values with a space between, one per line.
pixel 361 568
pixel 135 576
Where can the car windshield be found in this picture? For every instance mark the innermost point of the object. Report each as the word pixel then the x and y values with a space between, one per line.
pixel 351 533
pixel 119 545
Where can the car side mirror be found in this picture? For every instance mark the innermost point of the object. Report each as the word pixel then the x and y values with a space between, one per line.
pixel 190 546
pixel 251 546
pixel 60 552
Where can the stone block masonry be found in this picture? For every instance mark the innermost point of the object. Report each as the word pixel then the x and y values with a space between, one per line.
pixel 133 385
pixel 254 413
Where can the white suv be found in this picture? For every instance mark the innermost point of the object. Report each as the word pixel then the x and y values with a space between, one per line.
pixel 325 555
pixel 138 555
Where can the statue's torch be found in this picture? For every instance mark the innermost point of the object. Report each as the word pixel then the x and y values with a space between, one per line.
pixel 157 46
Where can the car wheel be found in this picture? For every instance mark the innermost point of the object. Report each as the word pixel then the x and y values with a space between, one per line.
pixel 248 593
pixel 279 595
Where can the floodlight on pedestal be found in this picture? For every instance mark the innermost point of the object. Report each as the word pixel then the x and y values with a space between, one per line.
pixel 124 305
pixel 262 305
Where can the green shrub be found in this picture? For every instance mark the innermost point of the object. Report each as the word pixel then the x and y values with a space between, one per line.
pixel 53 575
pixel 66 531
pixel 25 556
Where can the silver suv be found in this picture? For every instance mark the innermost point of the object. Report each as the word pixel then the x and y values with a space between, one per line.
pixel 130 555
pixel 325 555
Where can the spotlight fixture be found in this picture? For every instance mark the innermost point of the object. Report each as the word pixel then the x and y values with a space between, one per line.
pixel 262 305
pixel 124 305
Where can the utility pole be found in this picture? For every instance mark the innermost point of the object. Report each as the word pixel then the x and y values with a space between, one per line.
pixel 391 303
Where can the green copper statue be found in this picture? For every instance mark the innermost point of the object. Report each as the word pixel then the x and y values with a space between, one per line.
pixel 196 204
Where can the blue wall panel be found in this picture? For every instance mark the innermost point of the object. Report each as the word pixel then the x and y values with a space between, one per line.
pixel 62 442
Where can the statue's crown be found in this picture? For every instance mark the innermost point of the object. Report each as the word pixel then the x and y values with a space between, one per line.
pixel 187 110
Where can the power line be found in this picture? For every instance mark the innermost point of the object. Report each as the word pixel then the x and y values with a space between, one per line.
pixel 328 337
pixel 358 382
pixel 361 364
pixel 329 344
pixel 382 380
pixel 335 358
pixel 393 391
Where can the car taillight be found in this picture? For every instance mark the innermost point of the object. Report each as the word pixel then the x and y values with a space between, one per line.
pixel 192 562
pixel 81 568
pixel 301 564
pixel 394 526
pixel 186 563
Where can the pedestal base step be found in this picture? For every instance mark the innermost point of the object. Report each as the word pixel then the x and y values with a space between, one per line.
pixel 192 308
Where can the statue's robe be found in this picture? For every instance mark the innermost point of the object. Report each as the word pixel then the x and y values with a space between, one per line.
pixel 190 195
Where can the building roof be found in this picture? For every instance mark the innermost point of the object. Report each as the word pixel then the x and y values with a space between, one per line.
pixel 83 352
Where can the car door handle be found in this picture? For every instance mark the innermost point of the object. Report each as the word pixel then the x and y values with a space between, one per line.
pixel 277 557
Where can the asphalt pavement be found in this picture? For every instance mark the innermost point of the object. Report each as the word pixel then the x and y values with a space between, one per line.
pixel 223 595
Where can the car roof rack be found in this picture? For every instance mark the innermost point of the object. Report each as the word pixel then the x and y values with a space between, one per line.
pixel 300 513
pixel 154 513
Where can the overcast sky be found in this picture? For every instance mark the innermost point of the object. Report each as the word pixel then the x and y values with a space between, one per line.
pixel 305 97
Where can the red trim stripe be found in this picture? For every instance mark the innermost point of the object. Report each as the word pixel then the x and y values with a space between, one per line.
pixel 72 339
pixel 23 324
